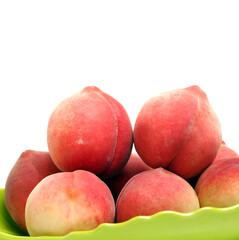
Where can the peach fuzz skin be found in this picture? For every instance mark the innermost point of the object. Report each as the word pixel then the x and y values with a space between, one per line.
pixel 220 188
pixel 68 201
pixel 178 130
pixel 91 131
pixel 225 152
pixel 214 169
pixel 134 166
pixel 30 168
pixel 153 191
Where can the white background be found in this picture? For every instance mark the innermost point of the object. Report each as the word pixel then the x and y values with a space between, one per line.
pixel 132 50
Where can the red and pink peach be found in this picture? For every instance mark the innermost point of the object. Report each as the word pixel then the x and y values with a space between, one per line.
pixel 68 201
pixel 219 184
pixel 153 191
pixel 91 131
pixel 30 168
pixel 178 130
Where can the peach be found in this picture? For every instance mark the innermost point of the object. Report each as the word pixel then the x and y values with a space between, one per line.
pixel 214 168
pixel 90 131
pixel 153 191
pixel 30 168
pixel 225 152
pixel 134 166
pixel 178 130
pixel 68 201
pixel 221 187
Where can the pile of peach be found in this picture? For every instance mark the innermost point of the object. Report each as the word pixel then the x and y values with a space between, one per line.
pixel 90 175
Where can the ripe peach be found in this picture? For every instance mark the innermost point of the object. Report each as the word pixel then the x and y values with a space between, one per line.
pixel 91 131
pixel 30 168
pixel 214 168
pixel 178 130
pixel 153 191
pixel 134 166
pixel 225 152
pixel 220 188
pixel 68 201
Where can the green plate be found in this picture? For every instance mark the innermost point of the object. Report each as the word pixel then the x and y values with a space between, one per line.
pixel 205 223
